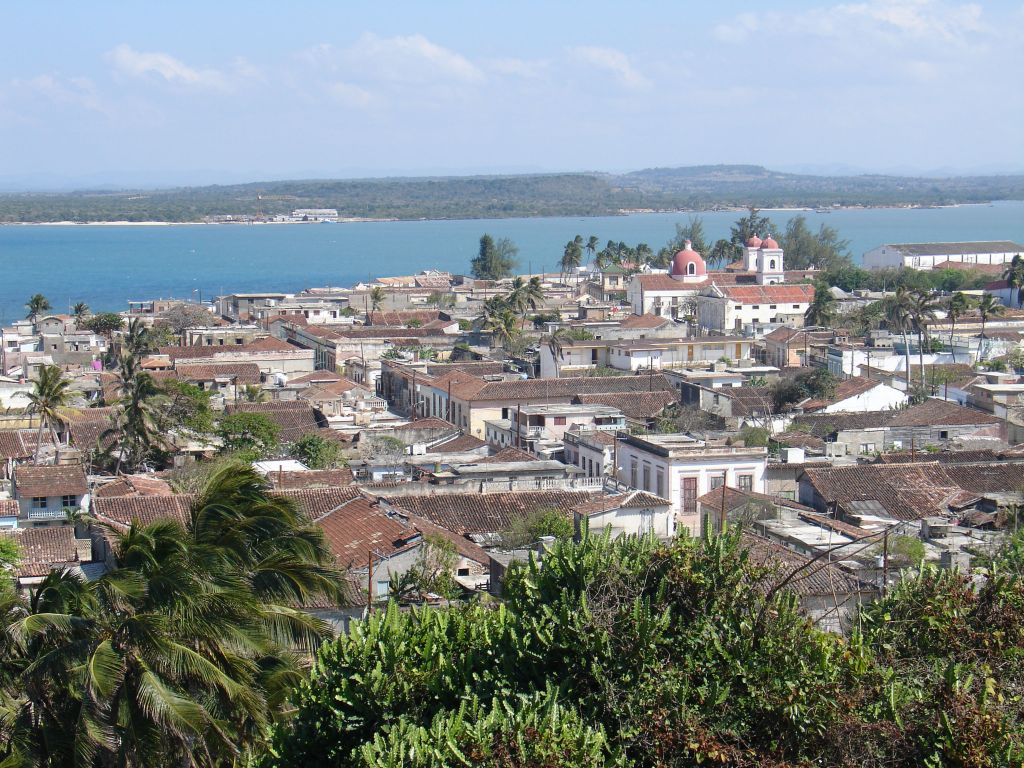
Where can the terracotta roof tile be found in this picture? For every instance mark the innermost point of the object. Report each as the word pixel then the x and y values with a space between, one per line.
pixel 769 294
pixel 548 389
pixel 143 510
pixel 12 446
pixel 240 373
pixel 314 478
pixel 641 322
pixel 458 443
pixel 43 549
pixel 293 418
pixel 845 389
pixel 634 405
pixel 54 480
pixel 269 344
pixel 816 580
pixel 508 454
pixel 628 500
pixel 134 485
pixel 9 508
pixel 467 514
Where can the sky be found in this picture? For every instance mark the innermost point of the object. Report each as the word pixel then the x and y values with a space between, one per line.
pixel 116 93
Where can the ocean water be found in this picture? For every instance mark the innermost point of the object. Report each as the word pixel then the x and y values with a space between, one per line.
pixel 106 266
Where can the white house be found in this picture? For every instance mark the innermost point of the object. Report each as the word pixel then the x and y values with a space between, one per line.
pixel 733 308
pixel 634 513
pixel 592 450
pixel 932 255
pixel 680 468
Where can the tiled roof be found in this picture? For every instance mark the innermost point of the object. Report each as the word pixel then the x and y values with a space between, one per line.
pixel 314 478
pixel 142 510
pixel 402 317
pixel 12 446
pixel 269 344
pixel 467 514
pixel 628 500
pixel 769 294
pixel 430 422
pixel 976 456
pixel 912 491
pixel 735 498
pixel 293 418
pixel 941 413
pixel 634 405
pixel 950 249
pixel 328 391
pixel 315 502
pixel 825 424
pixel 87 426
pixel 985 269
pixel 41 549
pixel 241 373
pixel 135 485
pixel 358 530
pixel 803 440
pixel 747 400
pixel 533 389
pixel 508 454
pixel 820 579
pixel 9 508
pixel 845 389
pixel 458 443
pixel 55 480
pixel 641 322
pixel 316 377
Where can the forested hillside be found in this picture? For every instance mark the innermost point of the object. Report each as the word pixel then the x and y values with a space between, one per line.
pixel 571 194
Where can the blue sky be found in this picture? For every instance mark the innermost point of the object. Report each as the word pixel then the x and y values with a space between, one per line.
pixel 188 92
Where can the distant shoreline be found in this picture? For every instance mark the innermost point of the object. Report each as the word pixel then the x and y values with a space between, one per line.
pixel 621 212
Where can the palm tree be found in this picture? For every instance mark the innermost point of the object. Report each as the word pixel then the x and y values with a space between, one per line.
pixel 956 307
pixel 253 393
pixel 921 307
pixel 1014 276
pixel 572 256
pixel 377 297
pixel 555 342
pixel 36 305
pixel 897 318
pixel 50 395
pixel 80 312
pixel 135 428
pixel 822 309
pixel 137 339
pixel 503 327
pixel 182 655
pixel 988 306
pixel 591 247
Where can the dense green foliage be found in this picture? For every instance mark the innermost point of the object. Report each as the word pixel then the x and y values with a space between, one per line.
pixel 494 260
pixel 671 655
pixel 182 655
pixel 528 530
pixel 251 432
pixel 317 452
pixel 105 323
pixel 579 194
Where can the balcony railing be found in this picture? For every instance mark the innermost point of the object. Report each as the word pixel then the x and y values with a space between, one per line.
pixel 50 513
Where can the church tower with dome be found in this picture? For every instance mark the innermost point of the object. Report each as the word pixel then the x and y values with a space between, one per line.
pixel 769 263
pixel 688 266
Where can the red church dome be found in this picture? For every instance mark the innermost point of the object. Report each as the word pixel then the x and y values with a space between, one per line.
pixel 754 242
pixel 688 263
pixel 769 242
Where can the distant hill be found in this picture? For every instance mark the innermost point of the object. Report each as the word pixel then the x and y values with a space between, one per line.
pixel 567 194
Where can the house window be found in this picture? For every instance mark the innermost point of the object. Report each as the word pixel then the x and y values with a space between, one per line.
pixel 659 487
pixel 716 481
pixel 756 306
pixel 691 269
pixel 773 306
pixel 69 501
pixel 897 445
pixel 944 435
pixel 796 306
pixel 867 447
pixel 632 472
pixel 791 495
pixel 559 421
pixel 38 502
pixel 383 588
pixel 745 482
pixel 463 572
pixel 689 491
pixel 771 264
pixel 647 476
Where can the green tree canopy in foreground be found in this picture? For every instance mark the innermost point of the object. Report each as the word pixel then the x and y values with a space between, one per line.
pixel 636 653
pixel 494 260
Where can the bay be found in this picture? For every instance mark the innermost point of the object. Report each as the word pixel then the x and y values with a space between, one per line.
pixel 105 266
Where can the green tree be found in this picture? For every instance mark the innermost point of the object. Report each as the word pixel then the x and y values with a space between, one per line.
pixel 495 260
pixel 1014 276
pixel 572 256
pixel 529 529
pixel 805 249
pixel 822 309
pixel 956 307
pixel 591 246
pixel 898 318
pixel 252 433
pixel 377 298
pixel 181 317
pixel 922 306
pixel 104 323
pixel 317 452
pixel 254 393
pixel 184 653
pixel 135 434
pixel 37 305
pixel 988 307
pixel 50 396
pixel 181 406
pixel 748 226
pixel 80 311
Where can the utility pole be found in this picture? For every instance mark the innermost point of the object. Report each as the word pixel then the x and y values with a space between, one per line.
pixel 369 582
pixel 885 561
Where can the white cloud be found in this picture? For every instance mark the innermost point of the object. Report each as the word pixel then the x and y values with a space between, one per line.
pixel 530 69
pixel 77 91
pixel 613 61
pixel 350 95
pixel 875 20
pixel 412 58
pixel 135 63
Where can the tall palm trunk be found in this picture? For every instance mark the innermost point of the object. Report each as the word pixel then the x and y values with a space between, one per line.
pixel 952 330
pixel 920 353
pixel 39 438
pixel 906 357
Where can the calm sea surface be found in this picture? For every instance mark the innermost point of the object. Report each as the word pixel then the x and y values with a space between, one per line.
pixel 107 265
